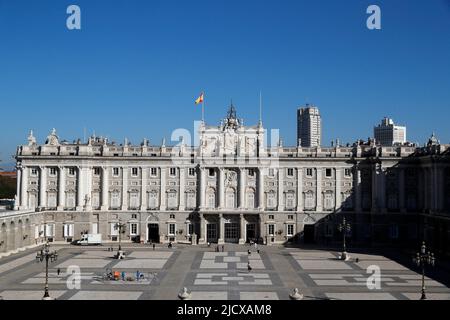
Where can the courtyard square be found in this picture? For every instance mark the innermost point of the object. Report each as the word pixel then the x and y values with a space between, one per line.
pixel 209 275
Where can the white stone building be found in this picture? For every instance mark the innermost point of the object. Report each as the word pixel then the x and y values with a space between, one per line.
pixel 230 189
pixel 309 127
pixel 389 134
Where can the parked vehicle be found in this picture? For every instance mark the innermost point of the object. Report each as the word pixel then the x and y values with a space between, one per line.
pixel 90 240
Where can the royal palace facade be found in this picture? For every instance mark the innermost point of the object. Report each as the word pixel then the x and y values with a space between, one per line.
pixel 231 188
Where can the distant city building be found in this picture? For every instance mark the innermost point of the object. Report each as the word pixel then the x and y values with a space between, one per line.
pixel 388 134
pixel 309 127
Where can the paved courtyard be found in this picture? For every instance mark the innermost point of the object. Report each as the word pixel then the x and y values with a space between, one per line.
pixel 210 275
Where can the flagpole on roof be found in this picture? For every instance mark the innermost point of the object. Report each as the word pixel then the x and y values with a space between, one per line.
pixel 203 108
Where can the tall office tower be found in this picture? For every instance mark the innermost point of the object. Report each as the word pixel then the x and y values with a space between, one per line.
pixel 309 128
pixel 388 134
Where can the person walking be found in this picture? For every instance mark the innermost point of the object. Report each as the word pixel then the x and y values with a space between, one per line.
pixel 249 267
pixel 123 275
pixel 249 252
pixel 137 275
pixel 153 246
pixel 58 271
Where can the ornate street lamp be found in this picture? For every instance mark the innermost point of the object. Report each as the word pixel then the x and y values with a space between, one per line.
pixel 121 228
pixel 46 255
pixel 344 227
pixel 423 258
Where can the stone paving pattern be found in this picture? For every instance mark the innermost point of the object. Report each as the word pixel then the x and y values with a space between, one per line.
pixel 210 275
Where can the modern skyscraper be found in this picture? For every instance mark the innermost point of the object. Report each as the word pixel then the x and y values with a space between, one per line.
pixel 388 134
pixel 309 126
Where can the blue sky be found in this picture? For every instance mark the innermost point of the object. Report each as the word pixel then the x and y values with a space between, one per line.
pixel 135 67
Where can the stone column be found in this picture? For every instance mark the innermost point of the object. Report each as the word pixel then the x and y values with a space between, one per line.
pixel 280 206
pixel 382 189
pixel 43 187
pixel 375 173
pixel 144 173
pixel 261 172
pixel 221 193
pixel 202 188
pixel 105 188
pixel 162 190
pixel 357 189
pixel 221 229
pixel 24 186
pixel 242 229
pixel 242 188
pixel 61 187
pixel 80 189
pixel 18 182
pixel 401 190
pixel 124 188
pixel 319 201
pixel 262 227
pixel 182 186
pixel 202 231
pixel 300 189
pixel 338 199
pixel 88 190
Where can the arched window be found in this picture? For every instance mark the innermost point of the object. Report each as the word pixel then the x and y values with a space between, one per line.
pixel 328 200
pixel 271 199
pixel 251 199
pixel 153 200
pixel 290 200
pixel 70 199
pixel 95 199
pixel 310 201
pixel 51 199
pixel 190 200
pixel 392 201
pixel 134 199
pixel 172 199
pixel 230 198
pixel 115 199
pixel 211 197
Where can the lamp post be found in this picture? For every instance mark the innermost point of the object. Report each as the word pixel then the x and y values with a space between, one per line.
pixel 423 258
pixel 121 228
pixel 46 255
pixel 344 227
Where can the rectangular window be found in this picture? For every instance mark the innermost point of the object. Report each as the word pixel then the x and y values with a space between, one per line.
pixel 191 172
pixel 328 172
pixel 113 229
pixel 71 171
pixel 172 229
pixel 309 172
pixel 348 172
pixel 96 171
pixel 153 172
pixel 115 172
pixel 173 172
pixel 133 229
pixel 211 172
pixel 290 172
pixel 251 172
pixel 271 216
pixel 271 172
pixel 34 172
pixel 53 172
pixel 290 230
pixel 290 217
pixel 271 229
pixel 134 172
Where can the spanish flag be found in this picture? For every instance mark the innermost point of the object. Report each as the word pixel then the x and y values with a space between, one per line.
pixel 199 99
